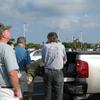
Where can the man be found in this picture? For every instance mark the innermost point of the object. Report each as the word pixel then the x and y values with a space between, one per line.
pixel 9 81
pixel 54 56
pixel 24 61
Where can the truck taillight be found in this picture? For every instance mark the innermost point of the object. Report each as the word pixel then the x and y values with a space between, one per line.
pixel 82 69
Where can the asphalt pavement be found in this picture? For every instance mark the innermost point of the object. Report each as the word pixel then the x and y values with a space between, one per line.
pixel 38 90
pixel 38 93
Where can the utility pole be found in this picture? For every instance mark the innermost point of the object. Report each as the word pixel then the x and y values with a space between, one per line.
pixel 73 38
pixel 58 33
pixel 24 30
pixel 81 39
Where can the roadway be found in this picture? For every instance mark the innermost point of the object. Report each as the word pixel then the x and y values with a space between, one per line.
pixel 38 90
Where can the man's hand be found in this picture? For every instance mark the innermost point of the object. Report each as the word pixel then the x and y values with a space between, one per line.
pixel 18 94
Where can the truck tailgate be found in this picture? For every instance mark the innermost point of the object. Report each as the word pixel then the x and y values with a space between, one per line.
pixel 93 80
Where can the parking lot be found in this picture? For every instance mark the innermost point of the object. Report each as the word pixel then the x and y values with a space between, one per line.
pixel 38 91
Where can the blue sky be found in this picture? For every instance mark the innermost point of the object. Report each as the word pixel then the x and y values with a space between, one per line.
pixel 78 18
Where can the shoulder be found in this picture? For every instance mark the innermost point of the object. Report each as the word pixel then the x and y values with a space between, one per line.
pixel 18 48
pixel 46 45
pixel 61 46
pixel 6 47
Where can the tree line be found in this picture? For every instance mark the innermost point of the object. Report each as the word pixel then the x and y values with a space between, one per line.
pixel 75 44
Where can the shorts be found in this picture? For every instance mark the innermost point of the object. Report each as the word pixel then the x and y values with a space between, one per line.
pixel 23 81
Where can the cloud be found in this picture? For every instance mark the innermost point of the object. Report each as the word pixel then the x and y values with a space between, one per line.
pixel 53 14
pixel 47 7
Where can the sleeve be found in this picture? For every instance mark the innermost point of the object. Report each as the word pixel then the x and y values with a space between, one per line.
pixel 43 54
pixel 28 57
pixel 10 59
pixel 64 52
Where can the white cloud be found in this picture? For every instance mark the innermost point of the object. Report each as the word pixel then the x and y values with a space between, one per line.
pixel 54 14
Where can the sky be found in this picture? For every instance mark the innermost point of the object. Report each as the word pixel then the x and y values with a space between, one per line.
pixel 34 19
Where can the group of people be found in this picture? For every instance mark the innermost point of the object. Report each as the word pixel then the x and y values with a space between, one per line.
pixel 14 63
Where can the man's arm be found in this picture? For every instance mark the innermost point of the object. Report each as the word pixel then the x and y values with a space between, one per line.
pixel 28 61
pixel 65 56
pixel 13 75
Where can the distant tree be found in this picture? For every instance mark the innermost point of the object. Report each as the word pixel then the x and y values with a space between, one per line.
pixel 32 45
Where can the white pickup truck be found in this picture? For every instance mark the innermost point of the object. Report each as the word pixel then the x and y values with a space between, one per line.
pixel 82 73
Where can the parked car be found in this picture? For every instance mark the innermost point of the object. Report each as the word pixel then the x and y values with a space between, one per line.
pixel 35 69
pixel 36 55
